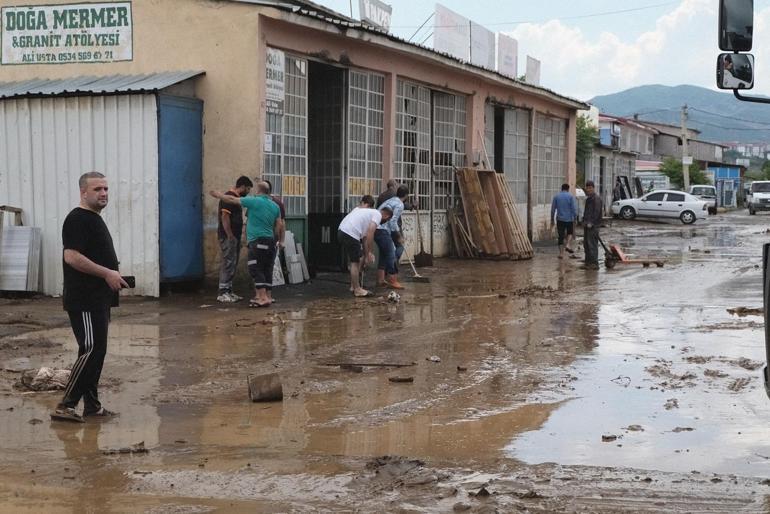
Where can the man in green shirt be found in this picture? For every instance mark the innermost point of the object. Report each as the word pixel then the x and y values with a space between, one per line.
pixel 263 227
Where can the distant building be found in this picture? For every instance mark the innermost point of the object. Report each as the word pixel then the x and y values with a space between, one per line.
pixel 749 150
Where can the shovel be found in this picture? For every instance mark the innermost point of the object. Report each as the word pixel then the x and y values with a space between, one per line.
pixel 422 259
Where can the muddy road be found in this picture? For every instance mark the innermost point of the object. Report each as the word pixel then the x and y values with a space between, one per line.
pixel 537 386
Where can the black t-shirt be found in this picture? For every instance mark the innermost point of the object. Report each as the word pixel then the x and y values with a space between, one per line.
pixel 236 217
pixel 85 232
pixel 384 197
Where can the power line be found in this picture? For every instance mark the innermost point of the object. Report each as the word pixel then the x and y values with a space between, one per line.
pixel 651 112
pixel 577 17
pixel 729 128
pixel 729 117
pixel 421 26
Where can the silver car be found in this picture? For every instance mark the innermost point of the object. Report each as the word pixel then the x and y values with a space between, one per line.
pixel 662 204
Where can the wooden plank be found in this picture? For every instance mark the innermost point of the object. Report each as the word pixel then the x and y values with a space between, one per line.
pixel 503 226
pixel 485 179
pixel 477 212
pixel 523 242
pixel 303 262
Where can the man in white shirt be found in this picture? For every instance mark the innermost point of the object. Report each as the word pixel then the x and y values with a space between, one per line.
pixel 356 233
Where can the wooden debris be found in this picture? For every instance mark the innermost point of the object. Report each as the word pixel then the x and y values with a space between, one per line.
pixel 488 225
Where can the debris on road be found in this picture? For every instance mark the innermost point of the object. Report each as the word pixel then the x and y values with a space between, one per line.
pixel 462 368
pixel 133 449
pixel 671 403
pixel 355 368
pixel 265 388
pixel 609 438
pixel 401 380
pixel 434 358
pixel 682 429
pixel 746 311
pixel 44 379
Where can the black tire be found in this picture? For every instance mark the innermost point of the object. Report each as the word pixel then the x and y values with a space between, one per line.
pixel 712 210
pixel 627 213
pixel 609 261
pixel 688 217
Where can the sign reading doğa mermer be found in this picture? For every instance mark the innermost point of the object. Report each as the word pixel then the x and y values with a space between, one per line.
pixel 66 33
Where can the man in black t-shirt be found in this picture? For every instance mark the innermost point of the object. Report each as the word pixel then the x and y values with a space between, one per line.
pixel 91 285
pixel 229 233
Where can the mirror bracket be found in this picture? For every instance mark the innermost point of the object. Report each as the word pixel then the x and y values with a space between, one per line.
pixel 755 99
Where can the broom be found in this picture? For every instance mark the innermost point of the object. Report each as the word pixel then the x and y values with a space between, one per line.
pixel 422 259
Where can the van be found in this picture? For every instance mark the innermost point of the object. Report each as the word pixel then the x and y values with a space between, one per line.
pixel 758 198
pixel 708 194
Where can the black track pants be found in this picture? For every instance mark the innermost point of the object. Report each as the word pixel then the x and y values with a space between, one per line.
pixel 90 329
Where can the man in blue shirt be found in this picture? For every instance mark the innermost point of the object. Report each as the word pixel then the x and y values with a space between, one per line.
pixel 390 242
pixel 263 229
pixel 565 209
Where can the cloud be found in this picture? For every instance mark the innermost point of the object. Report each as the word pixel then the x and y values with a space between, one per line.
pixel 681 49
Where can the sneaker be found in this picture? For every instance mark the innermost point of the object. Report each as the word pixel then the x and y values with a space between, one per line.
pixel 101 413
pixel 226 298
pixel 66 414
pixel 235 297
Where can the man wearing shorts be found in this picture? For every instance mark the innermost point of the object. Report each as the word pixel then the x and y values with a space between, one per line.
pixel 564 209
pixel 91 285
pixel 263 229
pixel 356 234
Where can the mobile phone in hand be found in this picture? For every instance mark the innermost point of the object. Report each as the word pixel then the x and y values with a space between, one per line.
pixel 131 281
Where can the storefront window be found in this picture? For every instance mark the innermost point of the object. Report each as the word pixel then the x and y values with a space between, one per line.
pixel 366 129
pixel 550 157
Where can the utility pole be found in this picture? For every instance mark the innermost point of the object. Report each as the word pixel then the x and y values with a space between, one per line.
pixel 685 156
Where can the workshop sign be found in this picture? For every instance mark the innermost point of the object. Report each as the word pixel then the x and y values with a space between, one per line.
pixel 275 86
pixel 67 33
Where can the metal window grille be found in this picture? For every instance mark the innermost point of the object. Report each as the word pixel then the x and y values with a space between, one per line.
pixel 366 129
pixel 550 157
pixel 286 157
pixel 448 146
pixel 516 153
pixel 412 159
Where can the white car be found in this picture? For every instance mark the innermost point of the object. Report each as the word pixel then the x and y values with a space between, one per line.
pixel 662 204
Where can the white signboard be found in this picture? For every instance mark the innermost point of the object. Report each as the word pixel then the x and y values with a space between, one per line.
pixel 375 13
pixel 275 86
pixel 451 33
pixel 482 46
pixel 533 71
pixel 66 33
pixel 507 56
pixel 687 160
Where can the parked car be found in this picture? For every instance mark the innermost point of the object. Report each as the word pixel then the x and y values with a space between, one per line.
pixel 758 198
pixel 662 204
pixel 708 194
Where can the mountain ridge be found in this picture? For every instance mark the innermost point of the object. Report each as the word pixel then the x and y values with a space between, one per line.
pixel 718 115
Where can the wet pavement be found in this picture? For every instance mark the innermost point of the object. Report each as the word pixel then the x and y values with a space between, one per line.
pixel 536 386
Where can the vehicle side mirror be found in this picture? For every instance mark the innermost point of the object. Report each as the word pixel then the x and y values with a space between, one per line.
pixel 735 71
pixel 736 25
pixel 644 199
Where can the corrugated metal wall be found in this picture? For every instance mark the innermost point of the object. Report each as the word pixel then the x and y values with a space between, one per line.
pixel 47 143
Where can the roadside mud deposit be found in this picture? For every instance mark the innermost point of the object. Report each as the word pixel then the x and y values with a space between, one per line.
pixel 513 373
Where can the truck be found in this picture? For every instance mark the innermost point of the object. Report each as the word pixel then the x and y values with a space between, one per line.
pixel 736 32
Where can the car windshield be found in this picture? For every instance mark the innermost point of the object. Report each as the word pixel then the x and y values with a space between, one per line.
pixel 761 187
pixel 703 191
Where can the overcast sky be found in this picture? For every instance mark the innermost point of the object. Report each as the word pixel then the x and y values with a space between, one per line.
pixel 587 48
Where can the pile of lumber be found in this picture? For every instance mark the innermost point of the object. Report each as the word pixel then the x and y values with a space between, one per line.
pixel 488 225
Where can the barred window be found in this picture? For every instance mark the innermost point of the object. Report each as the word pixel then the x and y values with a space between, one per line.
pixel 516 153
pixel 366 129
pixel 550 157
pixel 285 155
pixel 412 160
pixel 448 146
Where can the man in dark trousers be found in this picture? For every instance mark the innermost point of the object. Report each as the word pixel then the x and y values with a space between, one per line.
pixel 386 195
pixel 229 232
pixel 91 285
pixel 263 228
pixel 592 218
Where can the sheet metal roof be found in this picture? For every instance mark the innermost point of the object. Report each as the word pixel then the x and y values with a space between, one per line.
pixel 95 85
pixel 310 9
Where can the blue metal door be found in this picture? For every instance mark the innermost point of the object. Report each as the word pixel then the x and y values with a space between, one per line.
pixel 180 147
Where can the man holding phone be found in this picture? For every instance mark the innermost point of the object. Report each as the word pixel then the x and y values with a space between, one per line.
pixel 91 286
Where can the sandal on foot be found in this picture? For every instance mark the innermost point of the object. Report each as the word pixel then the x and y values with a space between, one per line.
pixel 101 413
pixel 66 414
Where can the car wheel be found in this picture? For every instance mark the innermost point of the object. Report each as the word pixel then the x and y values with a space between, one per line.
pixel 627 213
pixel 687 217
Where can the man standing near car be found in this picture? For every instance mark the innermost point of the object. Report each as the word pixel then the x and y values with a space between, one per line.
pixel 229 232
pixel 91 285
pixel 564 209
pixel 592 219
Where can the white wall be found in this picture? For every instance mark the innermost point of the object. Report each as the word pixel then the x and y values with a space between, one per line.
pixel 47 143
